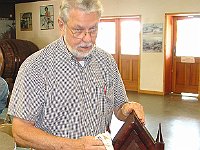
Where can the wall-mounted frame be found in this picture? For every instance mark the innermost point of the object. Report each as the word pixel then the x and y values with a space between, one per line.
pixel 152 37
pixel 26 21
pixel 46 17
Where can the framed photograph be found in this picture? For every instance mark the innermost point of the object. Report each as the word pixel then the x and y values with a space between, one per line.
pixel 152 37
pixel 26 21
pixel 152 44
pixel 152 28
pixel 46 17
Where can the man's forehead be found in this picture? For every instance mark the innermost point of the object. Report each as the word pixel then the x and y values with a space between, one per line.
pixel 81 16
pixel 84 21
pixel 85 26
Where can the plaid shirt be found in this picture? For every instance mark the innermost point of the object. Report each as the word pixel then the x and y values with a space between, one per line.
pixel 65 98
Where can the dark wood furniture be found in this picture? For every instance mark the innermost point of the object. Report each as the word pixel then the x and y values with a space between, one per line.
pixel 12 54
pixel 133 135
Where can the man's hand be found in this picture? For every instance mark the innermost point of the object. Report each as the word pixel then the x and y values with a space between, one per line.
pixel 91 143
pixel 27 135
pixel 127 108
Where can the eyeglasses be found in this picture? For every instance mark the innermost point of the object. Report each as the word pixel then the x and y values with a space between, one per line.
pixel 81 33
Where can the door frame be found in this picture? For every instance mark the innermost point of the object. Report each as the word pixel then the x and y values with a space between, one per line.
pixel 169 51
pixel 118 56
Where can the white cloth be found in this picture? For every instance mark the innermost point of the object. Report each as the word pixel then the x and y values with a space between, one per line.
pixel 106 139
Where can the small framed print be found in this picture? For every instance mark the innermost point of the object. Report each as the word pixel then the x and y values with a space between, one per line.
pixel 152 37
pixel 46 17
pixel 26 21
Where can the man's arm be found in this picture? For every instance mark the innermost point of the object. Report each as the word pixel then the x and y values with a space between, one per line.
pixel 26 135
pixel 125 109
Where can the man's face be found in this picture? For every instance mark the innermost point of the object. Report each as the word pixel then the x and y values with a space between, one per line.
pixel 80 32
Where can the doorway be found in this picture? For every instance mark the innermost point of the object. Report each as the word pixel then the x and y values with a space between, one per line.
pixel 182 53
pixel 120 36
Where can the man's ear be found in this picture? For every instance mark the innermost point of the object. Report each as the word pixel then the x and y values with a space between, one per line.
pixel 61 25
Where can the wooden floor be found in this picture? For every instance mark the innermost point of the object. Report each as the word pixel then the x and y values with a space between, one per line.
pixel 178 115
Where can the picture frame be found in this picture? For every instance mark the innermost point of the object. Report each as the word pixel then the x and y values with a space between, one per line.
pixel 152 38
pixel 26 21
pixel 46 17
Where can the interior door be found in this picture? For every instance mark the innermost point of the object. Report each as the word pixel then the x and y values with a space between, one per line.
pixel 129 52
pixel 186 58
pixel 107 37
pixel 129 71
pixel 121 38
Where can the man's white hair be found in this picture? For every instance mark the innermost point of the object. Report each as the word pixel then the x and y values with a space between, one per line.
pixel 87 6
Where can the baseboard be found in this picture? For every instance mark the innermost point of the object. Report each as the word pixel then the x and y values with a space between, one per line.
pixel 151 92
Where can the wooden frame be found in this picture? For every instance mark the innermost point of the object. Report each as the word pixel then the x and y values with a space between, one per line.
pixel 134 136
pixel 125 62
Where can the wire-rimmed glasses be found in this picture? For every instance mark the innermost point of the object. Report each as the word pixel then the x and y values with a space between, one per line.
pixel 81 33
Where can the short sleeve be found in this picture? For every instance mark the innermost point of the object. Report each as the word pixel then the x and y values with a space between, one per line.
pixel 28 93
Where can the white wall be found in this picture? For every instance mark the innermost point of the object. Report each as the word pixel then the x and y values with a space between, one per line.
pixel 151 11
pixel 40 37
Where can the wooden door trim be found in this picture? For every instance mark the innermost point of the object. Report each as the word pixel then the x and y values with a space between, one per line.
pixel 168 52
pixel 172 41
pixel 199 83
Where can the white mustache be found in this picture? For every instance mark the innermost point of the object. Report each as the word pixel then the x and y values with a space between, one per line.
pixel 85 45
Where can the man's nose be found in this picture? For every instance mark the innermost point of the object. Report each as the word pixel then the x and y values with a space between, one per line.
pixel 87 37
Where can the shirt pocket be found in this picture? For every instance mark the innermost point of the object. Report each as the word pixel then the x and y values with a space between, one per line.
pixel 104 98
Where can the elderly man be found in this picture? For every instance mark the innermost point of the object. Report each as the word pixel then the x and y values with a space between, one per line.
pixel 65 94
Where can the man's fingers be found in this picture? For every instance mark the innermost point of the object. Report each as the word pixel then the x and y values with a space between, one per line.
pixel 98 142
pixel 90 140
pixel 138 108
pixel 140 112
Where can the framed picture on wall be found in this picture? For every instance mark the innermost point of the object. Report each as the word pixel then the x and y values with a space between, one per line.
pixel 26 21
pixel 46 17
pixel 152 44
pixel 152 37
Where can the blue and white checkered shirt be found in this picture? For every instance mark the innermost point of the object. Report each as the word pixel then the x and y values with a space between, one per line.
pixel 65 98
